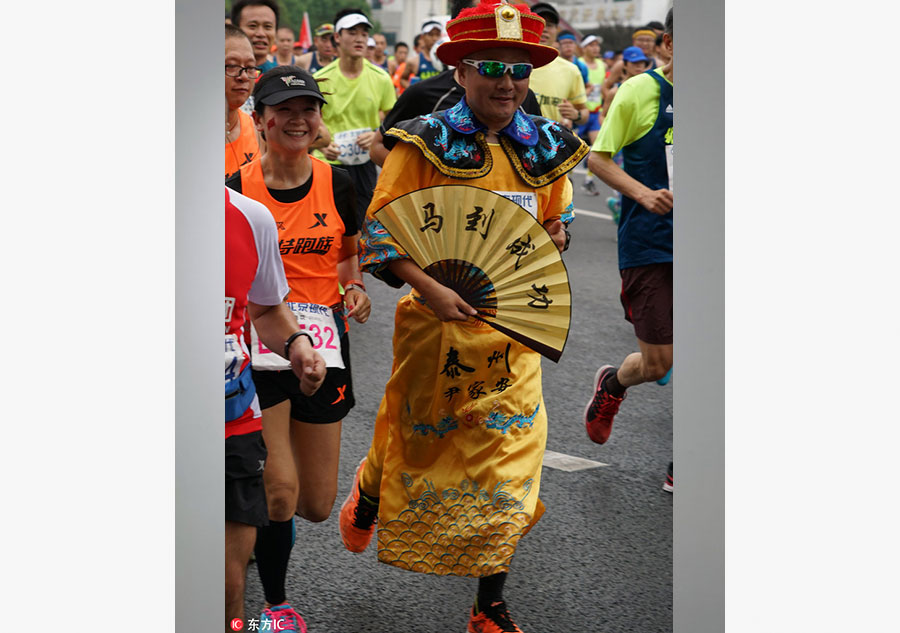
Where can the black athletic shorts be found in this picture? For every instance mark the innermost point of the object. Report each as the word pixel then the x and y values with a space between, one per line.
pixel 647 299
pixel 245 493
pixel 331 403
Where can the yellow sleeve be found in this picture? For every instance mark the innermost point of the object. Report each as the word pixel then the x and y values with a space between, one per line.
pixel 388 96
pixel 556 201
pixel 577 95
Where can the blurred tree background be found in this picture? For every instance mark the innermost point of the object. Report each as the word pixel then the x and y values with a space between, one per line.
pixel 320 11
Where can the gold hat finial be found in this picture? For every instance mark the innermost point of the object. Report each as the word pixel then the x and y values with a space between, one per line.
pixel 509 22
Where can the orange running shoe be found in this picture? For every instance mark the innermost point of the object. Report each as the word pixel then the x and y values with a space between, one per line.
pixel 357 520
pixel 493 619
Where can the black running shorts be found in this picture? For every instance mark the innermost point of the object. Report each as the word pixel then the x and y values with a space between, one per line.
pixel 331 403
pixel 245 493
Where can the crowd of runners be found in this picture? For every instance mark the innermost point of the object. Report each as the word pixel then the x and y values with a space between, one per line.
pixel 318 140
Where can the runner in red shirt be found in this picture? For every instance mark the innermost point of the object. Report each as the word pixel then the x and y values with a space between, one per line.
pixel 255 287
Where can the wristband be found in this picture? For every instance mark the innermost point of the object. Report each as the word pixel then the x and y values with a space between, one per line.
pixel 568 239
pixel 357 284
pixel 291 339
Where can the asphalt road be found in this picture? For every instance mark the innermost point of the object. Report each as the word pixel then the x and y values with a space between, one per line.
pixel 599 561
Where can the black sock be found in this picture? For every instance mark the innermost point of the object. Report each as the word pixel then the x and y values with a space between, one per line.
pixel 612 386
pixel 366 511
pixel 367 497
pixel 490 590
pixel 273 550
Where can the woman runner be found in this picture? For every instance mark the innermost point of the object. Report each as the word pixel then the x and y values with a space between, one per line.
pixel 313 205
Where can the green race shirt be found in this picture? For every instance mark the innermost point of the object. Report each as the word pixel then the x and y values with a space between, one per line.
pixel 354 104
pixel 631 115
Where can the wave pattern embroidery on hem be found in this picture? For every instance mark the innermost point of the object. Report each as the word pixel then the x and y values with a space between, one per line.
pixel 464 531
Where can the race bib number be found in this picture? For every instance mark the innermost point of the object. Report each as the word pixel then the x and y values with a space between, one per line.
pixel 525 199
pixel 351 153
pixel 317 321
pixel 670 153
pixel 595 95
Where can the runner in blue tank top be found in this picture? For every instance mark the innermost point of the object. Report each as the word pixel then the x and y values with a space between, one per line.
pixel 425 67
pixel 323 52
pixel 379 57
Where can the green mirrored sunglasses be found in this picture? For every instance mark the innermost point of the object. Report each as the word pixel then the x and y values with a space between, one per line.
pixel 494 69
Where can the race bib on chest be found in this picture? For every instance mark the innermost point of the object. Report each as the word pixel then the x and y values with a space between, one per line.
pixel 317 321
pixel 351 153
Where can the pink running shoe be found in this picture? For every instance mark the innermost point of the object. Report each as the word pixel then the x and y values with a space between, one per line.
pixel 281 617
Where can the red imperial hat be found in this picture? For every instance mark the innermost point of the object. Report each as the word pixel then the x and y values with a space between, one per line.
pixel 494 24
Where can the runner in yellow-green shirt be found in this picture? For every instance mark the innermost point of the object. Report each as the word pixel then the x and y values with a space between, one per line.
pixel 359 95
pixel 640 125
pixel 558 86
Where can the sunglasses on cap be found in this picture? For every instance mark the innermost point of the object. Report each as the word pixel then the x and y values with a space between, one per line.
pixel 495 70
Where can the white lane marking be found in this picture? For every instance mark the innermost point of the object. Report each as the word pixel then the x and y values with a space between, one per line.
pixel 593 214
pixel 568 463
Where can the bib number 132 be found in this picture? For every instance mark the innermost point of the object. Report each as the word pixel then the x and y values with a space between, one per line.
pixel 324 338
pixel 318 322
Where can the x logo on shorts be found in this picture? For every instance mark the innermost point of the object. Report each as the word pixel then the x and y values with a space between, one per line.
pixel 341 395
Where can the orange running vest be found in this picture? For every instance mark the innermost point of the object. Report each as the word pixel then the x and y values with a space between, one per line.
pixel 243 149
pixel 310 234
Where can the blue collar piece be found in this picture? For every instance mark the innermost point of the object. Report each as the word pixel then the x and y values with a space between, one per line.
pixel 521 129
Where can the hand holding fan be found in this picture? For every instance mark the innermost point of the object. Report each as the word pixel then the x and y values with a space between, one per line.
pixel 493 254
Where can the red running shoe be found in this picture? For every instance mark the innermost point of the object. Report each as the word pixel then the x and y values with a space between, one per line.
pixel 600 411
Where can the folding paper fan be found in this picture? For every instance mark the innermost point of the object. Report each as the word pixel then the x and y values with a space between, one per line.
pixel 494 254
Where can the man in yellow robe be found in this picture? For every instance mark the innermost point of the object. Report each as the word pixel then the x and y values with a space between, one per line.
pixel 453 472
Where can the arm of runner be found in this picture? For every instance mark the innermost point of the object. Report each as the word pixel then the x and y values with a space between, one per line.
pixel 615 74
pixel 364 140
pixel 359 306
pixel 378 152
pixel 444 302
pixel 412 65
pixel 323 140
pixel 607 101
pixel 657 201
pixel 577 114
pixel 387 100
pixel 275 324
pixel 331 151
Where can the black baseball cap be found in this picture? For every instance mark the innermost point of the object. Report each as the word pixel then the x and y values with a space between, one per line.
pixel 283 83
pixel 546 11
